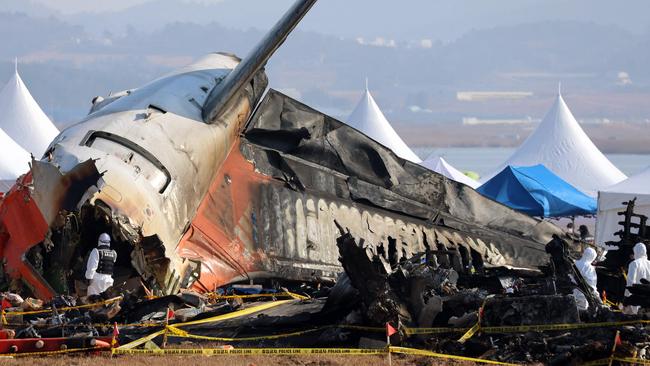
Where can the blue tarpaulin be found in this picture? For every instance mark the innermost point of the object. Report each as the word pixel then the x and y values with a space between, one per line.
pixel 536 191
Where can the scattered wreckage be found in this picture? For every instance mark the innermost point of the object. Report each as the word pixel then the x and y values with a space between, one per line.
pixel 435 300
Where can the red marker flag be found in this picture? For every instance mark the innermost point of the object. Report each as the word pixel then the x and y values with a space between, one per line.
pixel 390 330
pixel 116 332
pixel 170 314
pixel 617 339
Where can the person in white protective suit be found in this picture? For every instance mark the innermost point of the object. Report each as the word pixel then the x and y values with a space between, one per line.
pixel 637 269
pixel 99 268
pixel 588 271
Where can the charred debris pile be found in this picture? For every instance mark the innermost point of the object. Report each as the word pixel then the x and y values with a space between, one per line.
pixel 438 300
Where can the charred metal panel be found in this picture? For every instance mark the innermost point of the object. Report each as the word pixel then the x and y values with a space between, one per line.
pixel 296 144
pixel 54 191
pixel 271 210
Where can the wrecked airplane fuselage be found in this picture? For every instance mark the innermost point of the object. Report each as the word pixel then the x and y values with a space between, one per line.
pixel 157 158
pixel 236 197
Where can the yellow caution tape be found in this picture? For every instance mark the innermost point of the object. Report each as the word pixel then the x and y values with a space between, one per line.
pixel 49 353
pixel 217 318
pixel 419 352
pixel 470 333
pixel 637 361
pixel 96 325
pixel 105 302
pixel 525 328
pixel 175 332
pixel 440 330
pixel 235 314
pixel 278 294
pixel 361 327
pixel 140 341
pixel 253 351
pixel 551 327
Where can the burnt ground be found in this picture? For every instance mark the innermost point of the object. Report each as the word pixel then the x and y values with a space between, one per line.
pixel 309 360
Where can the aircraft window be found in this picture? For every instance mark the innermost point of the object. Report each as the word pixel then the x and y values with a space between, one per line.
pixel 144 162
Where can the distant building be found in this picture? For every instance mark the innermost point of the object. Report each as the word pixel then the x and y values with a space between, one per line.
pixel 471 121
pixel 481 96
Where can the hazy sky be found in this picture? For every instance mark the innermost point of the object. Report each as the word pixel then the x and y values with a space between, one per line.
pixel 444 20
pixel 74 6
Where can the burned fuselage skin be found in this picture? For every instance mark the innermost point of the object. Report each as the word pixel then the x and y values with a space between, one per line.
pixel 272 209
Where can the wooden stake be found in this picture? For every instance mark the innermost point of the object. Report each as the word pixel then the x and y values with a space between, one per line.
pixel 164 342
pixel 390 360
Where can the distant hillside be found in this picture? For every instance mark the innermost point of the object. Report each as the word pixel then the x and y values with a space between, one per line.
pixel 401 20
pixel 22 34
pixel 65 65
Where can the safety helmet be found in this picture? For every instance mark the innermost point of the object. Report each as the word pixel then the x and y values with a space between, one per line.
pixel 104 240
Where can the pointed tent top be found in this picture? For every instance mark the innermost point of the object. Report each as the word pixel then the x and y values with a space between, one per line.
pixel 16 65
pixel 13 158
pixel 559 88
pixel 22 119
pixel 560 144
pixel 368 118
pixel 366 83
pixel 439 165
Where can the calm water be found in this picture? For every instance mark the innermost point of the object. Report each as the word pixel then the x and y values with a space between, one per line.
pixel 485 160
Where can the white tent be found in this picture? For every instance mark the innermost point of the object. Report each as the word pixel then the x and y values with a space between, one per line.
pixel 610 202
pixel 13 158
pixel 560 144
pixel 368 118
pixel 22 118
pixel 441 166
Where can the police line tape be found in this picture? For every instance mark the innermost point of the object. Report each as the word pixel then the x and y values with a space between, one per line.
pixel 115 299
pixel 149 325
pixel 299 351
pixel 408 330
pixel 217 318
pixel 251 351
pixel 52 353
pixel 175 332
pixel 42 311
pixel 274 295
pixel 80 325
pixel 235 314
pixel 634 361
pixel 172 331
pixel 419 352
pixel 470 333
pixel 609 360
pixel 524 328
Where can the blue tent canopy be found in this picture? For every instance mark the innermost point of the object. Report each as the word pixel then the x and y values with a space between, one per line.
pixel 536 191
